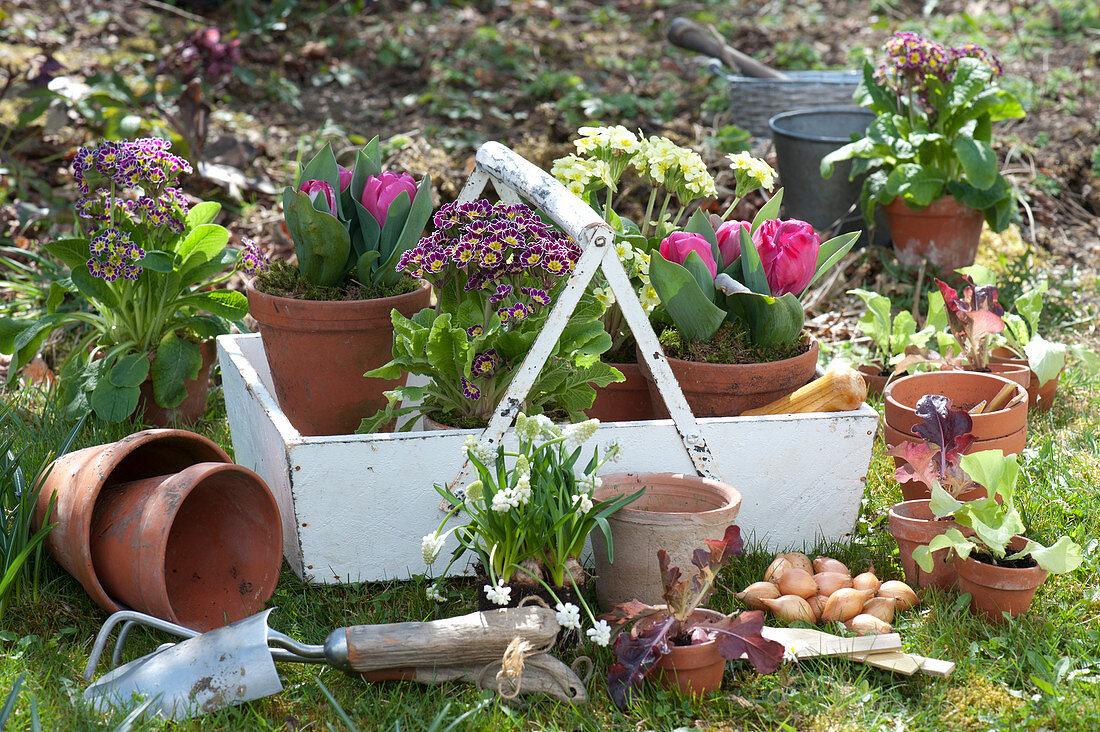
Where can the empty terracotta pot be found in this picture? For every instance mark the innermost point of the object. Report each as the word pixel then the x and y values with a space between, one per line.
pixel 318 352
pixel 994 589
pixel 676 513
pixel 726 390
pixel 625 400
pixel 913 524
pixel 946 232
pixel 81 479
pixel 874 378
pixel 1020 373
pixel 201 547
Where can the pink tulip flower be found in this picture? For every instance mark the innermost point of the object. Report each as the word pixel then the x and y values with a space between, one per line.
pixel 729 240
pixel 315 188
pixel 788 250
pixel 345 177
pixel 381 190
pixel 679 244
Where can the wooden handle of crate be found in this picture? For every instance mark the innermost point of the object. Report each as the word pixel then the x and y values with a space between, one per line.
pixel 694 37
pixel 837 391
pixel 476 638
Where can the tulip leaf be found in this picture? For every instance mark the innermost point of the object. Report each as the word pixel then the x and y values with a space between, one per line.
pixel 395 222
pixel 323 167
pixel 752 269
pixel 321 242
pixel 694 264
pixel 696 316
pixel 769 210
pixel 770 320
pixel 419 213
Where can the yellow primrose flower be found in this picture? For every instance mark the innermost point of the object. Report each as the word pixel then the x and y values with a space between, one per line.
pixel 751 173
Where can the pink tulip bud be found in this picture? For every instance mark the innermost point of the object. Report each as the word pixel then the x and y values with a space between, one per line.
pixel 679 244
pixel 345 177
pixel 315 188
pixel 381 190
pixel 729 240
pixel 788 250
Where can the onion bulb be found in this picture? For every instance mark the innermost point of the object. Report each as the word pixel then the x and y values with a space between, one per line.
pixel 790 608
pixel 830 582
pixel 827 564
pixel 754 593
pixel 845 604
pixel 797 581
pixel 864 624
pixel 902 592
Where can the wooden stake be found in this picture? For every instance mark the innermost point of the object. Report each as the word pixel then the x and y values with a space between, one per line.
pixel 1002 397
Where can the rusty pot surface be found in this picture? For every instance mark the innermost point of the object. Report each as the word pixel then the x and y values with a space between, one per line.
pixel 676 513
pixel 994 589
pixel 191 409
pixel 946 233
pixel 202 547
pixel 726 390
pixel 78 479
pixel 623 401
pixel 318 352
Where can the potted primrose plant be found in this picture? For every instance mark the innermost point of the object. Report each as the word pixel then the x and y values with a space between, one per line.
pixel 530 513
pixel 731 294
pixel 928 153
pixel 327 321
pixel 1000 568
pixel 683 644
pixel 147 266
pixel 496 270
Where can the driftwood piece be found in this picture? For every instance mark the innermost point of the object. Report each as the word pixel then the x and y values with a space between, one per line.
pixel 475 639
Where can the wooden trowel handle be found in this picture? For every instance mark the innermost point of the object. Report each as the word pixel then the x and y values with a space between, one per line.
pixel 694 37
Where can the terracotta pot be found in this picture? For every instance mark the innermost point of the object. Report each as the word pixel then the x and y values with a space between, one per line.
pixel 202 547
pixel 994 589
pixel 873 377
pixel 1020 373
pixel 946 233
pixel 676 513
pixel 913 524
pixel 191 409
pixel 693 670
pixel 623 401
pixel 726 390
pixel 1039 396
pixel 79 478
pixel 965 389
pixel 319 351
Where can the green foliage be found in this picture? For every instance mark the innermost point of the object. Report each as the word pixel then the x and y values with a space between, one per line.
pixel 891 335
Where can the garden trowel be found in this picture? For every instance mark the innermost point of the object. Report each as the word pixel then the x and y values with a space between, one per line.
pixel 235 664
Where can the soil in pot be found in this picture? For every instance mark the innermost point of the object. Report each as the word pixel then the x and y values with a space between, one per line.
pixel 526 587
pixel 676 513
pixel 1003 587
pixel 716 385
pixel 913 524
pixel 946 233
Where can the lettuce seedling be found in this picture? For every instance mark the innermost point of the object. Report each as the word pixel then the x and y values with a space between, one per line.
pixel 945 435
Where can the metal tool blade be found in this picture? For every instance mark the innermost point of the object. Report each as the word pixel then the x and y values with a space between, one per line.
pixel 227 666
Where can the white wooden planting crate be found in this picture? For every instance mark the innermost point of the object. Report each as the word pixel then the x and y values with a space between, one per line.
pixel 354 507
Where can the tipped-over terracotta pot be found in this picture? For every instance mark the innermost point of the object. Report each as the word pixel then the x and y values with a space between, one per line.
pixel 81 480
pixel 318 352
pixel 726 390
pixel 994 589
pixel 676 513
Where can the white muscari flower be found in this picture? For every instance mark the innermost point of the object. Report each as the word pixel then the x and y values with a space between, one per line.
pixel 498 594
pixel 430 546
pixel 568 615
pixel 579 433
pixel 590 482
pixel 475 491
pixel 546 427
pixel 583 502
pixel 613 451
pixel 523 487
pixel 600 633
pixel 505 500
pixel 432 593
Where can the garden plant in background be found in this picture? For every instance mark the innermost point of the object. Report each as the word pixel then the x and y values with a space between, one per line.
pixel 931 137
pixel 149 266
pixel 890 335
pixel 496 270
pixel 529 516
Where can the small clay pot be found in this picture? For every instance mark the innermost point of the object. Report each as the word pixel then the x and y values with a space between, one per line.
pixel 913 524
pixel 676 513
pixel 946 233
pixel 874 378
pixel 191 409
pixel 623 401
pixel 1020 373
pixel 726 390
pixel 994 589
pixel 318 352
pixel 1039 396
pixel 965 389
pixel 696 669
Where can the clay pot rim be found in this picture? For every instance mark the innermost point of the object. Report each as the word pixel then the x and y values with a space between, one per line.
pixel 891 428
pixel 250 286
pixel 890 401
pixel 945 206
pixel 631 514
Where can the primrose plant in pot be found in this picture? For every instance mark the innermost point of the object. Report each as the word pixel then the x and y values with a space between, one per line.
pixel 326 321
pixel 685 644
pixel 731 296
pixel 496 270
pixel 998 567
pixel 928 154
pixel 146 267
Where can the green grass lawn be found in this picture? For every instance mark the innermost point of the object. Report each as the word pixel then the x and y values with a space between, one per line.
pixel 1040 671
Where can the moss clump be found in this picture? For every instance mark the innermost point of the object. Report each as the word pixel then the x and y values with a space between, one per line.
pixel 730 345
pixel 284 280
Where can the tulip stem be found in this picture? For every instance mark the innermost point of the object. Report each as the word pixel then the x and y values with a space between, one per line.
pixel 661 216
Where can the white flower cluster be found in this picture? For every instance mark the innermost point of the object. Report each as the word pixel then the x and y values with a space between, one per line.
pixel 751 173
pixel 507 499
pixel 602 141
pixel 432 593
pixel 613 452
pixel 600 633
pixel 579 433
pixel 679 169
pixel 590 482
pixel 498 594
pixel 430 546
pixel 482 451
pixel 535 428
pixel 583 502
pixel 568 615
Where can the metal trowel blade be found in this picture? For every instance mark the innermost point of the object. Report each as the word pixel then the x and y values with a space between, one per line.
pixel 227 666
